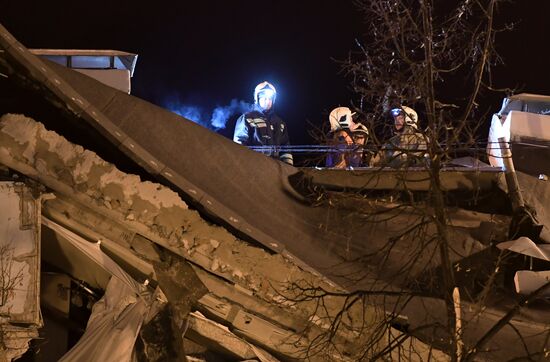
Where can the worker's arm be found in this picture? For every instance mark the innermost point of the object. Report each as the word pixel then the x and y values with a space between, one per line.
pixel 242 131
pixel 286 157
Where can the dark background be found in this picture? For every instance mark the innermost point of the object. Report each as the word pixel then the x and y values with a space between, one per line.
pixel 206 53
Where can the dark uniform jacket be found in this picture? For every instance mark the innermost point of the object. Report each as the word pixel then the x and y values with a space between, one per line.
pixel 257 128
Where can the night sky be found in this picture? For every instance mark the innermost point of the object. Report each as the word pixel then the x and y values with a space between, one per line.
pixel 205 54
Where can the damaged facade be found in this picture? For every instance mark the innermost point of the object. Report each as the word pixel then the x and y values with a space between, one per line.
pixel 127 217
pixel 224 275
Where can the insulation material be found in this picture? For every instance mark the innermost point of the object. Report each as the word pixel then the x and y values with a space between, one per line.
pixel 117 318
pixel 92 252
pixel 113 326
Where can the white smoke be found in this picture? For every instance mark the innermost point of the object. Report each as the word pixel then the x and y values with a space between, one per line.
pixel 192 113
pixel 219 116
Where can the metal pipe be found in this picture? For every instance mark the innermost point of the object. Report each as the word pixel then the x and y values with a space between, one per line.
pixel 510 173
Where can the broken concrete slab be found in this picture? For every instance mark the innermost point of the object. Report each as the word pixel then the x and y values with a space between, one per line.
pixel 15 341
pixel 182 289
pixel 526 246
pixel 527 281
pixel 219 338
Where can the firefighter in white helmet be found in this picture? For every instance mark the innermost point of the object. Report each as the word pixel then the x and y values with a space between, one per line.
pixel 405 119
pixel 408 146
pixel 348 139
pixel 262 127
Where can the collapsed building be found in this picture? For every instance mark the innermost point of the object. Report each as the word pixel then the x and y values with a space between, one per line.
pixel 215 252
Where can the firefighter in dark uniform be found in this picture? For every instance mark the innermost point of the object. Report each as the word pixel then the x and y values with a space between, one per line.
pixel 262 127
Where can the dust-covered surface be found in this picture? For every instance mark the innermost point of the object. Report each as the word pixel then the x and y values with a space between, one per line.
pixel 60 163
pixel 220 338
pixel 14 341
pixel 19 254
pixel 20 315
pixel 76 173
pixel 147 211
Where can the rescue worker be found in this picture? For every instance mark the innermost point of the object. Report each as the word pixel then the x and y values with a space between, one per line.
pixel 262 127
pixel 362 156
pixel 347 138
pixel 408 146
pixel 341 140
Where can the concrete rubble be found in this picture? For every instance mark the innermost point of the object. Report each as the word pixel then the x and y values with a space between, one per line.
pixel 129 217
pixel 139 222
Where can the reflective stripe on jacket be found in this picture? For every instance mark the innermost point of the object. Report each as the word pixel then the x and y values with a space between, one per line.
pixel 257 128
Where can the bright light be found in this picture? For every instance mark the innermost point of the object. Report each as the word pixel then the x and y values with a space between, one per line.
pixel 396 112
pixel 266 93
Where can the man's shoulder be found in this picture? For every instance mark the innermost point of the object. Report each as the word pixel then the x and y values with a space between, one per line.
pixel 274 118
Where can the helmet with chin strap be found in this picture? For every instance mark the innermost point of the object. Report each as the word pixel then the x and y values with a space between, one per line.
pixel 360 128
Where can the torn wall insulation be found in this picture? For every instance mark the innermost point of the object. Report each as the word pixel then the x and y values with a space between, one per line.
pixel 114 324
pixel 117 318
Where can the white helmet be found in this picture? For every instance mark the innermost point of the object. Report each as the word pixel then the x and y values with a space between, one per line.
pixel 411 118
pixel 265 88
pixel 360 128
pixel 340 117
